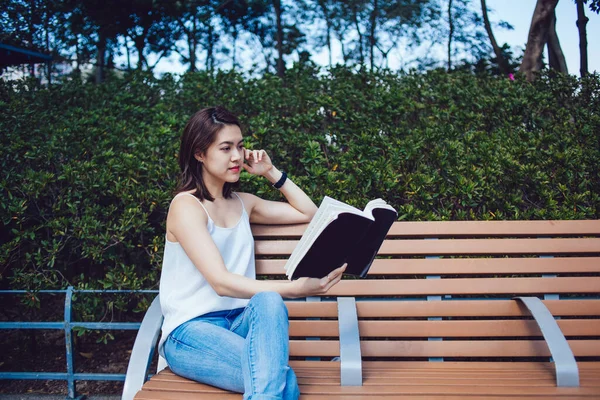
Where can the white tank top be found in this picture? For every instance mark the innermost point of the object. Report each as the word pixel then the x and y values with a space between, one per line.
pixel 184 292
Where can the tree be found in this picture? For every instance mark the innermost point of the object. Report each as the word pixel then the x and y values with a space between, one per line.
pixel 556 57
pixel 582 21
pixel 153 29
pixel 196 19
pixel 328 9
pixel 34 25
pixel 502 63
pixel 450 33
pixel 240 15
pixel 100 22
pixel 538 37
pixel 279 36
pixel 464 32
pixel 379 25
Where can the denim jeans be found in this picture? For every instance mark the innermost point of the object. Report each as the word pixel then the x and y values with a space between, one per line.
pixel 245 350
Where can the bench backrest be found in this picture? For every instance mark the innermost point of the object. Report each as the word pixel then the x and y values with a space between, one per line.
pixel 444 290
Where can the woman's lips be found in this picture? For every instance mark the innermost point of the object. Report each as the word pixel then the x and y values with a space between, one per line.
pixel 235 169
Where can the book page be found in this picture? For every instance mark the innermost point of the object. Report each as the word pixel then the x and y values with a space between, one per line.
pixel 377 203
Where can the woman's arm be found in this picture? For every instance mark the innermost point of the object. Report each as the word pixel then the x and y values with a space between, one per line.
pixel 299 208
pixel 187 222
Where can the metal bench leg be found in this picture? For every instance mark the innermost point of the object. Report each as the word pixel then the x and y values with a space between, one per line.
pixel 351 361
pixel 567 372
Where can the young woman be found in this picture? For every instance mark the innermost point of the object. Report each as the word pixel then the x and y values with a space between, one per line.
pixel 212 333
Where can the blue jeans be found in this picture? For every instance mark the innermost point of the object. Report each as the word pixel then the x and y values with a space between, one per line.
pixel 245 350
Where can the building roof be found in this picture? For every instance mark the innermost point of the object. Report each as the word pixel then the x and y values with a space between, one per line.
pixel 11 55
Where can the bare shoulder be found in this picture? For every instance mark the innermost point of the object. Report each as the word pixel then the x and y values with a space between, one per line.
pixel 249 200
pixel 183 211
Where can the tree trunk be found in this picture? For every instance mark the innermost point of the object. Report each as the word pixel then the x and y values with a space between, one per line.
pixel 538 37
pixel 344 55
pixel 360 39
pixel 329 43
pixel 373 27
pixel 128 53
pixel 100 57
pixel 235 35
pixel 48 51
pixel 139 45
pixel 192 43
pixel 32 12
pixel 450 34
pixel 582 21
pixel 497 51
pixel 77 55
pixel 280 65
pixel 556 57
pixel 210 60
pixel 328 23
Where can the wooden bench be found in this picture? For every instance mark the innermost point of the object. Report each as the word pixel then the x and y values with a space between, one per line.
pixel 437 317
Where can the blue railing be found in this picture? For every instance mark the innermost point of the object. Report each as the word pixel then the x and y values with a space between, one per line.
pixel 67 325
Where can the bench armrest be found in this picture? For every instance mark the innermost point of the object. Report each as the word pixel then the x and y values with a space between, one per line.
pixel 567 373
pixel 143 350
pixel 350 356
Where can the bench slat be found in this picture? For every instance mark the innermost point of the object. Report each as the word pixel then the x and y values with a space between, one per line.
pixel 459 228
pixel 465 286
pixel 446 308
pixel 472 308
pixel 450 368
pixel 331 376
pixel 455 348
pixel 471 348
pixel 457 247
pixel 457 266
pixel 494 328
pixel 486 328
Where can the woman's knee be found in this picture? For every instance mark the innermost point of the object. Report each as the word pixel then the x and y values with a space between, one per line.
pixel 270 303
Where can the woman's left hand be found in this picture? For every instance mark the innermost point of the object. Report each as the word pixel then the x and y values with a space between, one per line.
pixel 257 162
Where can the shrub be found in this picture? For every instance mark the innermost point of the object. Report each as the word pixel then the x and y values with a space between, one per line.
pixel 88 171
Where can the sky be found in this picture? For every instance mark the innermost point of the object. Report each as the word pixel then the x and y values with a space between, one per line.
pixel 517 13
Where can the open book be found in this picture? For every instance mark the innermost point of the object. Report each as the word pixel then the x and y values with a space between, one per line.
pixel 338 234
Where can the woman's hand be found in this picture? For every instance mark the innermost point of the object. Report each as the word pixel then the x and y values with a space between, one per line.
pixel 318 287
pixel 257 162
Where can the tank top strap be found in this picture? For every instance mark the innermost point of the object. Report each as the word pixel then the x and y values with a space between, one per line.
pixel 199 202
pixel 241 201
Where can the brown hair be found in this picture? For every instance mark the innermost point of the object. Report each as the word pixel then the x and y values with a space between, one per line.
pixel 199 133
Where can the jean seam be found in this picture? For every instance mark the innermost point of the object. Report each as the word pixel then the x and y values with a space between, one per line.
pixel 251 350
pixel 205 352
pixel 238 320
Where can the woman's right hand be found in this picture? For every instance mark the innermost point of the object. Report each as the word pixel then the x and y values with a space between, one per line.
pixel 317 287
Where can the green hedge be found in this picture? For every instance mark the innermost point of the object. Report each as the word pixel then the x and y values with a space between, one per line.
pixel 88 171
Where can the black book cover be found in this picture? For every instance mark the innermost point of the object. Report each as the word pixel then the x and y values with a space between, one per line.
pixel 360 259
pixel 330 250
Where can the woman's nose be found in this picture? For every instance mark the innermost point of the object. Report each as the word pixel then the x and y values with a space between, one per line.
pixel 236 154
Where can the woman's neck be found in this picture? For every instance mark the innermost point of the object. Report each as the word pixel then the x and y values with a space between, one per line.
pixel 214 188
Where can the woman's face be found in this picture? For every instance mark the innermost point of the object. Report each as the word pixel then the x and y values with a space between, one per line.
pixel 225 156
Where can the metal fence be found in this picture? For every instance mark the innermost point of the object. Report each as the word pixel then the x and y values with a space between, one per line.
pixel 67 326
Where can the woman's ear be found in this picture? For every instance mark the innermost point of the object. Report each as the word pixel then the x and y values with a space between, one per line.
pixel 198 157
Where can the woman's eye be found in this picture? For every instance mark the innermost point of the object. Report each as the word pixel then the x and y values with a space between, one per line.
pixel 225 149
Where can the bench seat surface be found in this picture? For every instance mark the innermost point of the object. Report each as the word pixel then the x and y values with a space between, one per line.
pixel 404 380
